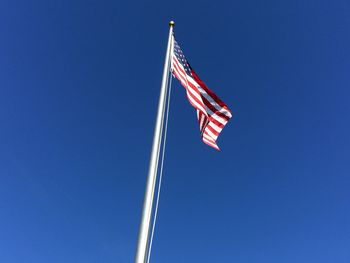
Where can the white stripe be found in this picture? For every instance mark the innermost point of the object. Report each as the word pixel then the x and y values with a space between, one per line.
pixel 208 137
pixel 209 98
pixel 178 64
pixel 196 104
pixel 213 145
pixel 215 127
pixel 201 122
pixel 216 117
pixel 180 77
pixel 205 110
pixel 196 95
pixel 212 135
pixel 191 93
pixel 210 142
pixel 184 79
pixel 213 102
pixel 225 111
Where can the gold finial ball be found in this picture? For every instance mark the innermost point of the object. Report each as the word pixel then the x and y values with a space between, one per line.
pixel 171 23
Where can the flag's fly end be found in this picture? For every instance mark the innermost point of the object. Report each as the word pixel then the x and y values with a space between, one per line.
pixel 171 23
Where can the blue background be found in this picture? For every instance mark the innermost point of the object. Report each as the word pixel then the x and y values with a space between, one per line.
pixel 79 86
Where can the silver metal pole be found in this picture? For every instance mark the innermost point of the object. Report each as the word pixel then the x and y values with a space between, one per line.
pixel 142 244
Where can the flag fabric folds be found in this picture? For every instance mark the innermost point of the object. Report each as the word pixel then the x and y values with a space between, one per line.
pixel 212 113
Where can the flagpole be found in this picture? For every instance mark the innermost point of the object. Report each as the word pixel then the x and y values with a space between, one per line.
pixel 142 244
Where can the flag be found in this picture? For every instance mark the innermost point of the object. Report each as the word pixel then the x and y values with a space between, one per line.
pixel 212 113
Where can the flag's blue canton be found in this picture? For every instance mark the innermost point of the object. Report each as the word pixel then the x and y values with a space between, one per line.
pixel 181 58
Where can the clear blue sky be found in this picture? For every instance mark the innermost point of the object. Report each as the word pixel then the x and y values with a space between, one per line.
pixel 79 85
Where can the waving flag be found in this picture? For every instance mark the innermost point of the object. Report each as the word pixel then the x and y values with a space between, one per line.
pixel 212 113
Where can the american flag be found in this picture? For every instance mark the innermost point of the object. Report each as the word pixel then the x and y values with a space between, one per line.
pixel 212 113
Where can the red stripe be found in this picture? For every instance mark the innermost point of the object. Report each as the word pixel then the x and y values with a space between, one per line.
pixel 212 130
pixel 193 88
pixel 204 124
pixel 208 95
pixel 205 101
pixel 209 105
pixel 211 144
pixel 199 116
pixel 178 64
pixel 178 67
pixel 208 137
pixel 212 94
pixel 180 77
pixel 217 123
pixel 213 109
pixel 189 95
